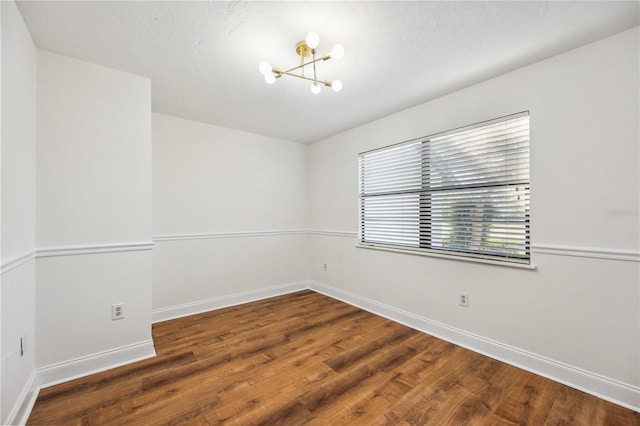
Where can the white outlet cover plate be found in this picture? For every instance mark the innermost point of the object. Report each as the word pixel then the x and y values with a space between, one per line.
pixel 463 298
pixel 117 311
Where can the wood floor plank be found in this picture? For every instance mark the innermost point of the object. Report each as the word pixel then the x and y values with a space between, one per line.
pixel 354 406
pixel 304 358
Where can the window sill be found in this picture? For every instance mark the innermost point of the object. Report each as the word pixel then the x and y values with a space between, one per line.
pixel 449 257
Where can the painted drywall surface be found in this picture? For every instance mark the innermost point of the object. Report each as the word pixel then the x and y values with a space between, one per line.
pixel 18 135
pixel 74 297
pixel 212 180
pixel 93 188
pixel 18 191
pixel 585 188
pixel 18 322
pixel 94 154
pixel 197 270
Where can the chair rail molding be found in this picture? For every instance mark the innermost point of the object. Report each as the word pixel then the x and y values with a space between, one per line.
pixel 16 261
pixel 238 234
pixel 93 248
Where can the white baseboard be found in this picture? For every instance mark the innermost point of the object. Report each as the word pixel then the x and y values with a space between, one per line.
pixel 22 409
pixel 608 389
pixel 94 363
pixel 172 312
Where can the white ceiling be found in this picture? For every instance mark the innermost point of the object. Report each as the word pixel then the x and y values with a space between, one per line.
pixel 202 57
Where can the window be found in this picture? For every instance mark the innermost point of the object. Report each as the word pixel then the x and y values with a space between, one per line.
pixel 463 192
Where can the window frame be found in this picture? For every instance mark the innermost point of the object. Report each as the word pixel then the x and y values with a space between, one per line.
pixel 425 227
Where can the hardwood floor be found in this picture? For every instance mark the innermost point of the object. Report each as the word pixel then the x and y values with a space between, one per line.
pixel 305 358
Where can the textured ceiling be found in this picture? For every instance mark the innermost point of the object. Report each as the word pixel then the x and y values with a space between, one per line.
pixel 202 57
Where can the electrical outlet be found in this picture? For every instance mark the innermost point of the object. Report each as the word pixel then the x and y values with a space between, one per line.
pixel 463 299
pixel 325 268
pixel 117 311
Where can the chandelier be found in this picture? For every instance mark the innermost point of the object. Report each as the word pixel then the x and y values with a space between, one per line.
pixel 306 49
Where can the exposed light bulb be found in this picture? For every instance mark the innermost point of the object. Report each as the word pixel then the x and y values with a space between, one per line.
pixel 270 78
pixel 336 85
pixel 337 52
pixel 315 88
pixel 265 67
pixel 312 40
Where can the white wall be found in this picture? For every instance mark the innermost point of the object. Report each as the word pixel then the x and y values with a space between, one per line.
pixel 573 310
pixel 18 145
pixel 209 182
pixel 94 158
pixel 94 210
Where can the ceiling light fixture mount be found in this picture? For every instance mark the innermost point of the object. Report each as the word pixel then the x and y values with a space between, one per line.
pixel 304 49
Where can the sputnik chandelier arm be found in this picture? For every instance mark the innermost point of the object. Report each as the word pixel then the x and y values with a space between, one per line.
pixel 304 49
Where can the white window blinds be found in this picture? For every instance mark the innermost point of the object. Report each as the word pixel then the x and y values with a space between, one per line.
pixel 463 192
